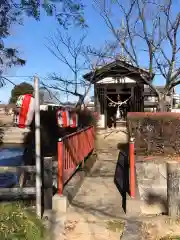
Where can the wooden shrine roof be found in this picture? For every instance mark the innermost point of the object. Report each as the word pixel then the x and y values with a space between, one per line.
pixel 117 68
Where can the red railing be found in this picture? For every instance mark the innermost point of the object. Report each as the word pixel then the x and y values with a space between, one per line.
pixel 72 150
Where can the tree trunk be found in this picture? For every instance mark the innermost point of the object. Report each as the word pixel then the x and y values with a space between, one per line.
pixel 162 106
pixel 164 103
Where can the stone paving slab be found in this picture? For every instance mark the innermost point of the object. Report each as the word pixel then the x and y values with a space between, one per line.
pixel 132 230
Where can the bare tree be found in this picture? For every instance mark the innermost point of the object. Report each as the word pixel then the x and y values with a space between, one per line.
pixel 151 30
pixel 70 54
pixel 77 59
pixel 48 97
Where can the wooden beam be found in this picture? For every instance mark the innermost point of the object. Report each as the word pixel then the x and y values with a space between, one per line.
pixel 5 169
pixel 16 192
pixel 47 182
pixel 15 169
pixel 122 93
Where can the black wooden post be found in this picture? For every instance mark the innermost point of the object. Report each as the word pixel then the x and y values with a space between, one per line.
pixel 132 100
pixel 105 107
pixel 142 98
pixel 47 183
pixel 173 194
pixel 95 99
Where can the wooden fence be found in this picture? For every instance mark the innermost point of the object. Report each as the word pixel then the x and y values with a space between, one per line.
pixel 72 150
pixel 25 192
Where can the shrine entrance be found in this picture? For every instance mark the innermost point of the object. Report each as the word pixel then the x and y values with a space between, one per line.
pixel 117 108
pixel 113 102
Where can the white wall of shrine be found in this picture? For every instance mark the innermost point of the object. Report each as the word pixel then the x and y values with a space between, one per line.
pixel 101 121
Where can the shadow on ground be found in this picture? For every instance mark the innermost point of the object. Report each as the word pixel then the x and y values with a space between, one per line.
pixel 121 176
pixel 156 199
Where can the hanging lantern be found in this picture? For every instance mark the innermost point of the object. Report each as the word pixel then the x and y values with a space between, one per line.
pixel 73 119
pixel 66 118
pixel 24 111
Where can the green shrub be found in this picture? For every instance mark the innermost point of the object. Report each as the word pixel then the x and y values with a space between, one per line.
pixel 87 118
pixel 19 223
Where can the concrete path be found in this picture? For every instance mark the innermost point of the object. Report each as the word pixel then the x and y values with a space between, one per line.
pixel 96 211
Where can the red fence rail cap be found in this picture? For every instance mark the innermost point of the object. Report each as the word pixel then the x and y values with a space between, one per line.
pixel 152 114
pixel 75 133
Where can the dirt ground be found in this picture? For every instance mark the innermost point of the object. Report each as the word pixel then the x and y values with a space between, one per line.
pixel 6 119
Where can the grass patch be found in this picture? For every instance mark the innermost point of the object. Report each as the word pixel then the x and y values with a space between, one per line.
pixel 170 238
pixel 20 223
pixel 115 225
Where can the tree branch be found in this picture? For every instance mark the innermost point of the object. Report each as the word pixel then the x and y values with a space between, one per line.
pixel 71 58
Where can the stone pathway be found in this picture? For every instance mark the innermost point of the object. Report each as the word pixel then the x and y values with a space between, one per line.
pixel 96 211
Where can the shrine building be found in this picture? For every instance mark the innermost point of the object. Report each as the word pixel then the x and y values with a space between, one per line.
pixel 115 83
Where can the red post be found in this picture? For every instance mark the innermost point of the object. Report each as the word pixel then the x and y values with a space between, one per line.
pixel 76 148
pixel 83 148
pixel 132 168
pixel 60 167
pixel 91 138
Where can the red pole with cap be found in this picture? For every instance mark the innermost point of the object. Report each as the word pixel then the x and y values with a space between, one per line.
pixel 132 168
pixel 60 167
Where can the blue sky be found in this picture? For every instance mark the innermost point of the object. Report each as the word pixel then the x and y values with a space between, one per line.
pixel 30 39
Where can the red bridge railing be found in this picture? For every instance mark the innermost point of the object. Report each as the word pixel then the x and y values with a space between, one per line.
pixel 72 150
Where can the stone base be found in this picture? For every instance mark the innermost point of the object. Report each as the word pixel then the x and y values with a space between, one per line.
pixel 60 203
pixel 133 207
pixel 55 223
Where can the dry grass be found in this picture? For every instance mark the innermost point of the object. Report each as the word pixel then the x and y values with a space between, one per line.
pixel 171 238
pixel 115 226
